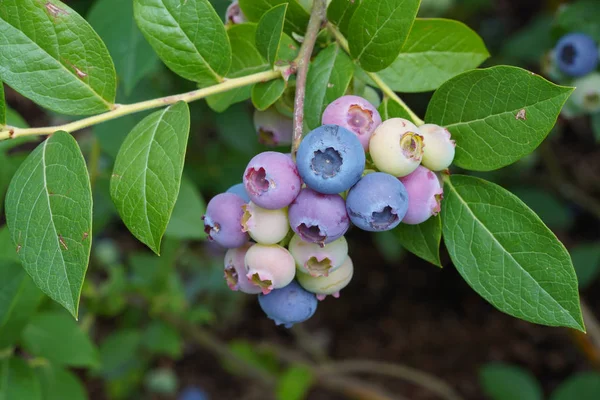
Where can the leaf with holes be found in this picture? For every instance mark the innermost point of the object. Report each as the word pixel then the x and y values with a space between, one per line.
pixel 269 31
pixel 378 31
pixel 51 55
pixel 507 255
pixel 340 12
pixel 265 94
pixel 423 240
pixel 147 173
pixel 49 215
pixel 296 17
pixel 496 115
pixel 188 36
pixel 328 78
pixel 435 51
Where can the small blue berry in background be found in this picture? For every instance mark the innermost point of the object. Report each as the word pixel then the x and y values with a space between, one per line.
pixel 192 393
pixel 576 54
pixel 378 202
pixel 240 190
pixel 330 159
pixel 289 305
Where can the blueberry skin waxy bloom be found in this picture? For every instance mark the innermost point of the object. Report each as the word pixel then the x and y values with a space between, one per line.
pixel 378 202
pixel 318 218
pixel 235 271
pixel 269 266
pixel 439 148
pixel 289 305
pixel 396 147
pixel 315 260
pixel 240 190
pixel 271 180
pixel 265 226
pixel 273 129
pixel 222 220
pixel 328 285
pixel 576 54
pixel 355 114
pixel 330 159
pixel 424 195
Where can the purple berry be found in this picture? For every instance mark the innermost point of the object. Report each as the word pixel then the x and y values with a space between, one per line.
pixel 235 271
pixel 355 114
pixel 576 54
pixel 273 129
pixel 378 202
pixel 240 190
pixel 318 218
pixel 271 180
pixel 234 14
pixel 289 305
pixel 330 159
pixel 424 195
pixel 222 220
pixel 269 267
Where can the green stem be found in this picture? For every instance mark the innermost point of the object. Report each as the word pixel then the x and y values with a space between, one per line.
pixel 378 81
pixel 9 132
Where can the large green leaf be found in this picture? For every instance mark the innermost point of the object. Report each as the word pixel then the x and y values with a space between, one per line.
pixel 296 18
pixel 496 115
pixel 184 220
pixel 435 51
pixel 18 380
pixel 133 56
pixel 265 94
pixel 147 173
pixel 378 31
pixel 188 36
pixel 59 384
pixel 52 55
pixel 246 60
pixel 423 240
pixel 269 31
pixel 507 382
pixel 507 255
pixel 340 12
pixel 390 109
pixel 328 78
pixel 582 386
pixel 2 105
pixel 19 298
pixel 49 214
pixel 57 337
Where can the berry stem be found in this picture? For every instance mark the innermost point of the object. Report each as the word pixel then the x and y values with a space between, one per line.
pixel 376 79
pixel 317 16
pixel 119 110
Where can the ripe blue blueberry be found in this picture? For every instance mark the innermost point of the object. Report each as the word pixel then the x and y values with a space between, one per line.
pixel 240 190
pixel 192 393
pixel 289 305
pixel 222 221
pixel 378 202
pixel 330 159
pixel 576 54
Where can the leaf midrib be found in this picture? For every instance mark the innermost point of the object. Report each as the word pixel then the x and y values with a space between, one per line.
pixel 466 205
pixel 372 39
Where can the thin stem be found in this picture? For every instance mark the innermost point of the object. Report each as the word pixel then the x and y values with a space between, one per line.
pixel 9 132
pixel 376 79
pixel 317 17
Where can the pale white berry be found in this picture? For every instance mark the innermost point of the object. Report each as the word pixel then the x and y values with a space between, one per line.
pixel 315 260
pixel 328 285
pixel 265 226
pixel 396 147
pixel 439 149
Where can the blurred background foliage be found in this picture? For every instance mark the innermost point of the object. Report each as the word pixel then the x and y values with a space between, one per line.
pixel 148 324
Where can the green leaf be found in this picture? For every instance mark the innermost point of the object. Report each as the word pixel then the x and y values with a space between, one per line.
pixel 49 215
pixel 246 60
pixel 507 382
pixel 147 173
pixel 14 119
pixel 581 16
pixel 269 31
pixel 423 240
pixel 379 30
pixel 507 255
pixel 390 109
pixel 2 105
pixel 63 65
pixel 582 386
pixel 19 298
pixel 436 50
pixel 118 353
pixel 295 383
pixel 134 58
pixel 586 260
pixel 162 339
pixel 328 78
pixel 189 205
pixel 265 94
pixel 340 12
pixel 57 383
pixel 18 380
pixel 57 337
pixel 496 115
pixel 188 36
pixel 296 18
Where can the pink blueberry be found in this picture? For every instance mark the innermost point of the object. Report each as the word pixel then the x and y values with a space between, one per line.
pixel 424 195
pixel 235 271
pixel 269 267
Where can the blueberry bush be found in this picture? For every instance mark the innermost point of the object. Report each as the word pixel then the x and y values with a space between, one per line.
pixel 332 148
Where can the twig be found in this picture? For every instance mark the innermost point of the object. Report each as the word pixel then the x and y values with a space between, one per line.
pixel 317 17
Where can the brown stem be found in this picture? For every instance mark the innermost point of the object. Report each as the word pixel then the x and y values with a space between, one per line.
pixel 317 17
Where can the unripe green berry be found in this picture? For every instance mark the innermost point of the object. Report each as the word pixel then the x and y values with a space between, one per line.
pixel 396 147
pixel 265 226
pixel 328 285
pixel 315 260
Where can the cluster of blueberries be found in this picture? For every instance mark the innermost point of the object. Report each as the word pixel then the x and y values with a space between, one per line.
pixel 352 169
